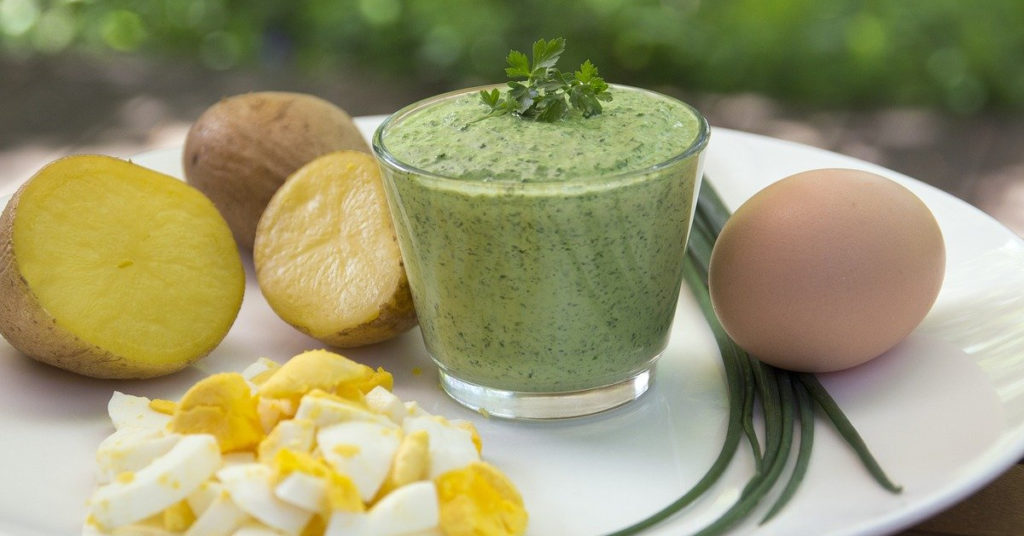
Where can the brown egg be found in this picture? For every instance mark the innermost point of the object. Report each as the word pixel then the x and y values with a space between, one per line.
pixel 826 269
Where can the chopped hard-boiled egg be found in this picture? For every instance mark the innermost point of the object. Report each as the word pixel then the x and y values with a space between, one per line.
pixel 325 371
pixel 168 479
pixel 319 445
pixel 479 499
pixel 450 446
pixel 273 410
pixel 340 492
pixel 130 449
pixel 304 491
pixel 292 434
pixel 384 402
pixel 325 409
pixel 412 510
pixel 135 412
pixel 221 518
pixel 362 450
pixel 179 516
pixel 251 487
pixel 221 405
pixel 201 499
pixel 260 370
pixel 412 459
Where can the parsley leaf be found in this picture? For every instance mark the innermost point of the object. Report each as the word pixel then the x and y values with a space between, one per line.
pixel 518 65
pixel 539 91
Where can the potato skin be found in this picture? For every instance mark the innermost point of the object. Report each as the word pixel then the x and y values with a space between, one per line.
pixel 242 149
pixel 28 327
pixel 396 317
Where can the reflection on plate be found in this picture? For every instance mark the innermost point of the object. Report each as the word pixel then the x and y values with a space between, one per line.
pixel 943 411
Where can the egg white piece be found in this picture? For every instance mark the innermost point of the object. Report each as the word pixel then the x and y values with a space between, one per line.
pixel 386 403
pixel 361 450
pixel 130 410
pixel 237 458
pixel 293 434
pixel 258 367
pixel 348 524
pixel 325 411
pixel 413 409
pixel 273 410
pixel 450 447
pixel 131 448
pixel 201 499
pixel 255 529
pixel 250 488
pixel 169 479
pixel 221 518
pixel 303 490
pixel 410 509
pixel 135 529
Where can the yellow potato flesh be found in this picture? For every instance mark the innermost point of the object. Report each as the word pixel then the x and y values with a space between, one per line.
pixel 132 261
pixel 326 256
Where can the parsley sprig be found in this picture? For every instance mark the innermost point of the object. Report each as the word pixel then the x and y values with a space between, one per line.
pixel 541 92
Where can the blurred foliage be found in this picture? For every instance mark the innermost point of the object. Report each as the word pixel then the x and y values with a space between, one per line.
pixel 961 56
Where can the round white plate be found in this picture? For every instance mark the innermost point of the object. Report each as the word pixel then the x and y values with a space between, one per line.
pixel 943 411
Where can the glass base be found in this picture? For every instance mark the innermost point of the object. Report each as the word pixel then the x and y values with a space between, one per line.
pixel 534 405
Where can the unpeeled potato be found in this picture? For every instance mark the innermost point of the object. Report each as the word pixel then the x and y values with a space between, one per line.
pixel 326 256
pixel 242 148
pixel 112 270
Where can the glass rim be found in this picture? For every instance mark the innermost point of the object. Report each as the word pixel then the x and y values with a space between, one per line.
pixel 385 156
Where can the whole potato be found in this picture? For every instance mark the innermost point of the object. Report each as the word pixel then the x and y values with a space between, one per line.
pixel 242 148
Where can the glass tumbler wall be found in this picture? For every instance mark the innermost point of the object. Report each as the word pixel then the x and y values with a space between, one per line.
pixel 542 298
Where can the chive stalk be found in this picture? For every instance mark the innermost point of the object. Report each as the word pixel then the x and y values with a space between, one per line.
pixel 803 456
pixel 734 430
pixel 847 430
pixel 786 398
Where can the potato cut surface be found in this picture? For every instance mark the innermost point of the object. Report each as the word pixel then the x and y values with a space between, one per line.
pixel 129 260
pixel 326 255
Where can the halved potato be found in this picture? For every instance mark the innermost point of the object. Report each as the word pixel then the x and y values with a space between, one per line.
pixel 113 270
pixel 326 256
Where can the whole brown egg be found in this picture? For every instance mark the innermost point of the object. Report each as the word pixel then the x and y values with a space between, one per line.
pixel 826 269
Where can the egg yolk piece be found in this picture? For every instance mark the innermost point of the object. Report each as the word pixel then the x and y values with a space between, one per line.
pixel 326 371
pixel 223 406
pixel 479 499
pixel 410 464
pixel 178 517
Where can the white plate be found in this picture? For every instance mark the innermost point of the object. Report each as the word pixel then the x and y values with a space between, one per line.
pixel 943 411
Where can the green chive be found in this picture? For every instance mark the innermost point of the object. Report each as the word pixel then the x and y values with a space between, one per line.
pixel 847 430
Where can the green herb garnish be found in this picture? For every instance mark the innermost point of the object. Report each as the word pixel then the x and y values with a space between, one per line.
pixel 541 92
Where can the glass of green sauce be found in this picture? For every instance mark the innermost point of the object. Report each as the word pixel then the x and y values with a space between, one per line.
pixel 545 259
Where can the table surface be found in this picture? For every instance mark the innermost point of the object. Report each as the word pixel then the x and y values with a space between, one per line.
pixel 993 511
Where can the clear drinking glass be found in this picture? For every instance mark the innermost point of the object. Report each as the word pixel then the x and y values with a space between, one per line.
pixel 543 299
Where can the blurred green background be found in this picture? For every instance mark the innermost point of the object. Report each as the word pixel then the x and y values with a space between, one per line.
pixel 930 88
pixel 957 56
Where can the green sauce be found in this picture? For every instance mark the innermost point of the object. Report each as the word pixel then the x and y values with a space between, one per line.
pixel 635 131
pixel 544 257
